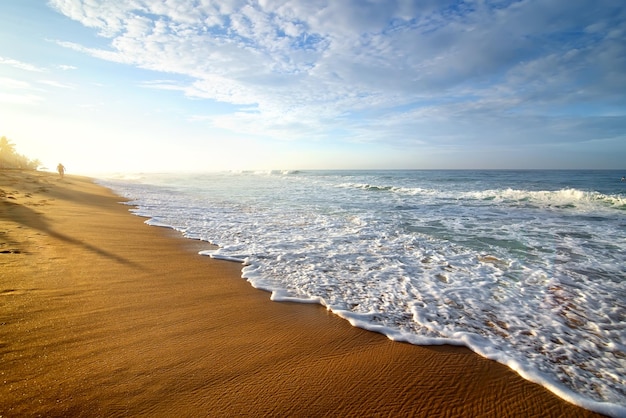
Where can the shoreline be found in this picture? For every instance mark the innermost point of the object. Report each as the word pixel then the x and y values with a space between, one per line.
pixel 104 315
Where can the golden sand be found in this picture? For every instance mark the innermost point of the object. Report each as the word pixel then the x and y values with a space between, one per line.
pixel 101 315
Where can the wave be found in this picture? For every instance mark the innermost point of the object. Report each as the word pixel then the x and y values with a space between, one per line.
pixel 284 172
pixel 265 172
pixel 394 189
pixel 561 199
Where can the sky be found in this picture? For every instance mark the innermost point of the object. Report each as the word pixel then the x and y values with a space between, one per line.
pixel 199 85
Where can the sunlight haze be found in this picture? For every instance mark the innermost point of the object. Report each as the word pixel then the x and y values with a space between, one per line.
pixel 144 85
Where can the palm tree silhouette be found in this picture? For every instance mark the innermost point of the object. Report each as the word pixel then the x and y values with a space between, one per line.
pixel 7 152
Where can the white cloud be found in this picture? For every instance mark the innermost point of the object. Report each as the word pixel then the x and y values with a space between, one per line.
pixel 10 83
pixel 18 92
pixel 56 84
pixel 21 65
pixel 305 67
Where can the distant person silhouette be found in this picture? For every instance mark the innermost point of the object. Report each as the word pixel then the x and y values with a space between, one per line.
pixel 61 170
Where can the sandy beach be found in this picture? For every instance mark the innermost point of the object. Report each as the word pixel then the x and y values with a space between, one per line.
pixel 102 315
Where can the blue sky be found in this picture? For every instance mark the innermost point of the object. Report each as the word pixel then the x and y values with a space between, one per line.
pixel 142 85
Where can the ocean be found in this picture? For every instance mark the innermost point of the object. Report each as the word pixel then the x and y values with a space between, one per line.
pixel 527 268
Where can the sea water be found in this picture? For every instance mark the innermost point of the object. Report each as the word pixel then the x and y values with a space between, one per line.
pixel 527 268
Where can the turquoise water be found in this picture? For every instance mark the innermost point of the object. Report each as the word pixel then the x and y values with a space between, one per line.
pixel 524 267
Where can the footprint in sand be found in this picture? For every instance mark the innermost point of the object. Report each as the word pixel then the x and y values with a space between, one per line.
pixel 10 251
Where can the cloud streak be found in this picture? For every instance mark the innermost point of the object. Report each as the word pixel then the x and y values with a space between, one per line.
pixel 396 71
pixel 21 65
pixel 56 84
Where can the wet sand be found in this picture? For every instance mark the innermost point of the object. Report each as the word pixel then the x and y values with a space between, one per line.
pixel 102 315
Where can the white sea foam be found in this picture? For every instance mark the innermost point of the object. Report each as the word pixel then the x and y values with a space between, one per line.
pixel 523 269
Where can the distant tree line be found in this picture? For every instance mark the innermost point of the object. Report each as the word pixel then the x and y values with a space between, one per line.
pixel 9 158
